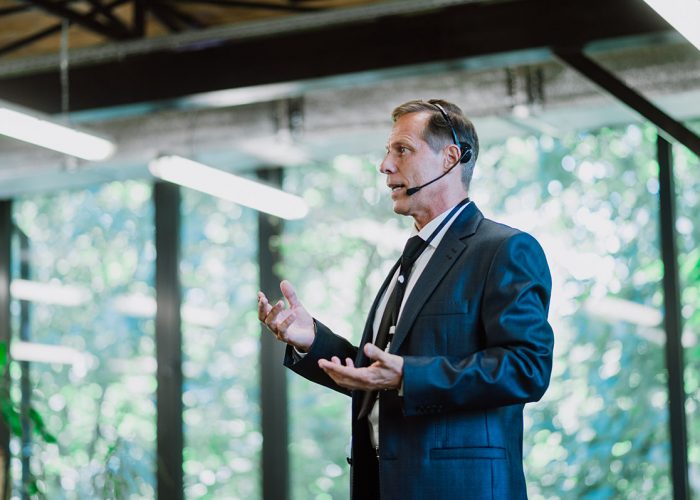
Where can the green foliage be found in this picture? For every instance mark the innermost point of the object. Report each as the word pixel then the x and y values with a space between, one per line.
pixel 592 200
pixel 4 358
pixel 100 242
pixel 11 416
pixel 687 180
pixel 39 426
pixel 221 391
pixel 10 411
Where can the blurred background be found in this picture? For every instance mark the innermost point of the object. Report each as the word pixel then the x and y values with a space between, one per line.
pixel 132 361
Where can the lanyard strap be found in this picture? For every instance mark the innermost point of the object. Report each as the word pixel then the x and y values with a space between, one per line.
pixel 444 221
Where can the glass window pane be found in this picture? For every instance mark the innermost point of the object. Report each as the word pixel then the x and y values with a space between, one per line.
pixel 221 337
pixel 336 276
pixel 591 199
pixel 88 291
pixel 687 179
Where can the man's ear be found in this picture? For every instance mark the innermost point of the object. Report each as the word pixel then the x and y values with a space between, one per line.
pixel 452 156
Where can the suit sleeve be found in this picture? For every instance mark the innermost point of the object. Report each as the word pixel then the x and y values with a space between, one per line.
pixel 325 345
pixel 515 363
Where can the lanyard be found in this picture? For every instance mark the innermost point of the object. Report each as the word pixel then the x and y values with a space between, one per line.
pixel 402 281
pixel 445 221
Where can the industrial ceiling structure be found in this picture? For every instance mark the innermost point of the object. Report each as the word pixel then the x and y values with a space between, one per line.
pixel 33 27
pixel 247 84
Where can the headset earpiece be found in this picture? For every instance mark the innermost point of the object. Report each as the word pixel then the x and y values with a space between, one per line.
pixel 464 150
pixel 466 154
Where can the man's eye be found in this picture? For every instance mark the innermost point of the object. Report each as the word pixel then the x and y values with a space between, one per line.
pixel 402 149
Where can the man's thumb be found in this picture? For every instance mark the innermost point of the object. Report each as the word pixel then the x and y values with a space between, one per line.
pixel 372 351
pixel 289 293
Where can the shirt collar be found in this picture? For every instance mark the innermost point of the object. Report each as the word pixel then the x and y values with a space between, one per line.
pixel 428 229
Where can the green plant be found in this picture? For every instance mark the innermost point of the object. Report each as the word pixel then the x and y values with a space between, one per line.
pixel 11 416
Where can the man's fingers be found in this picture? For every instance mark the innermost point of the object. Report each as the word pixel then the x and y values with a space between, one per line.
pixel 263 306
pixel 273 313
pixel 382 374
pixel 289 293
pixel 374 352
pixel 278 321
pixel 284 324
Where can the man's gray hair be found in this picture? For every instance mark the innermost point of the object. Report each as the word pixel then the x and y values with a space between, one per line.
pixel 437 131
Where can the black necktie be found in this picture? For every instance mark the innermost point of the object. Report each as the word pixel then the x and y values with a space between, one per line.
pixel 414 247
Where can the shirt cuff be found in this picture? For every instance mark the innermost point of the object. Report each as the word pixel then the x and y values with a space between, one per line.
pixel 296 353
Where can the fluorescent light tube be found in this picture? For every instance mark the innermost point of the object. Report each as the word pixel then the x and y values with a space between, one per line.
pixel 283 153
pixel 244 95
pixel 144 306
pixel 44 353
pixel 31 127
pixel 230 187
pixel 49 293
pixel 683 15
pixel 617 309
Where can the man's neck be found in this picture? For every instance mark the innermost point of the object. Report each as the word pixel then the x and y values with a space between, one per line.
pixel 420 220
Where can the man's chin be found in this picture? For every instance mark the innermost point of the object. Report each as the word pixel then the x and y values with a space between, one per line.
pixel 401 206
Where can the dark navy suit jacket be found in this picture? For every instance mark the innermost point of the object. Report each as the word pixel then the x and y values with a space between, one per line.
pixel 476 346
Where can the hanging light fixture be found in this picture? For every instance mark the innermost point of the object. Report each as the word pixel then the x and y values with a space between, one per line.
pixel 45 353
pixel 41 130
pixel 29 126
pixel 683 15
pixel 53 292
pixel 230 187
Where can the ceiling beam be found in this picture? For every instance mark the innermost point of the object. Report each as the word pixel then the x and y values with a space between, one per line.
pixel 186 19
pixel 138 17
pixel 13 9
pixel 112 31
pixel 30 39
pixel 56 28
pixel 165 17
pixel 106 11
pixel 457 32
pixel 621 91
pixel 255 5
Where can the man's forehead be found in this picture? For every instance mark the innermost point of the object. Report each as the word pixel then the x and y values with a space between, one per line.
pixel 410 125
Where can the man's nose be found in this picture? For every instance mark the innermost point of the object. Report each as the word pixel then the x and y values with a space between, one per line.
pixel 387 166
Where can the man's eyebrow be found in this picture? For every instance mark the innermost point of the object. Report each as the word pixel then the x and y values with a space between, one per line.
pixel 400 142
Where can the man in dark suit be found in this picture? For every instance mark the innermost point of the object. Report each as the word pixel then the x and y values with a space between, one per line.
pixel 438 412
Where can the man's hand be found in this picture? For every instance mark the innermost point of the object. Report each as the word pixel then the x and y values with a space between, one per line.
pixel 293 325
pixel 385 373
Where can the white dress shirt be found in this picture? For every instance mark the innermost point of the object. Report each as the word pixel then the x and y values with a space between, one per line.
pixel 417 270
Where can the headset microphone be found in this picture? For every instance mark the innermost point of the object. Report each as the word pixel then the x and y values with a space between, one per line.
pixel 467 155
pixel 466 152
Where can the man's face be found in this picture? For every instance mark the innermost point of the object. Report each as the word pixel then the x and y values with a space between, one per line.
pixel 410 162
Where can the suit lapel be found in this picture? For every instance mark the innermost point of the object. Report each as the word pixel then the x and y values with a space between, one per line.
pixel 453 243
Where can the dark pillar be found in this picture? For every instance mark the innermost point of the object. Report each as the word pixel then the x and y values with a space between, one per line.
pixel 5 273
pixel 673 323
pixel 273 382
pixel 25 370
pixel 166 197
